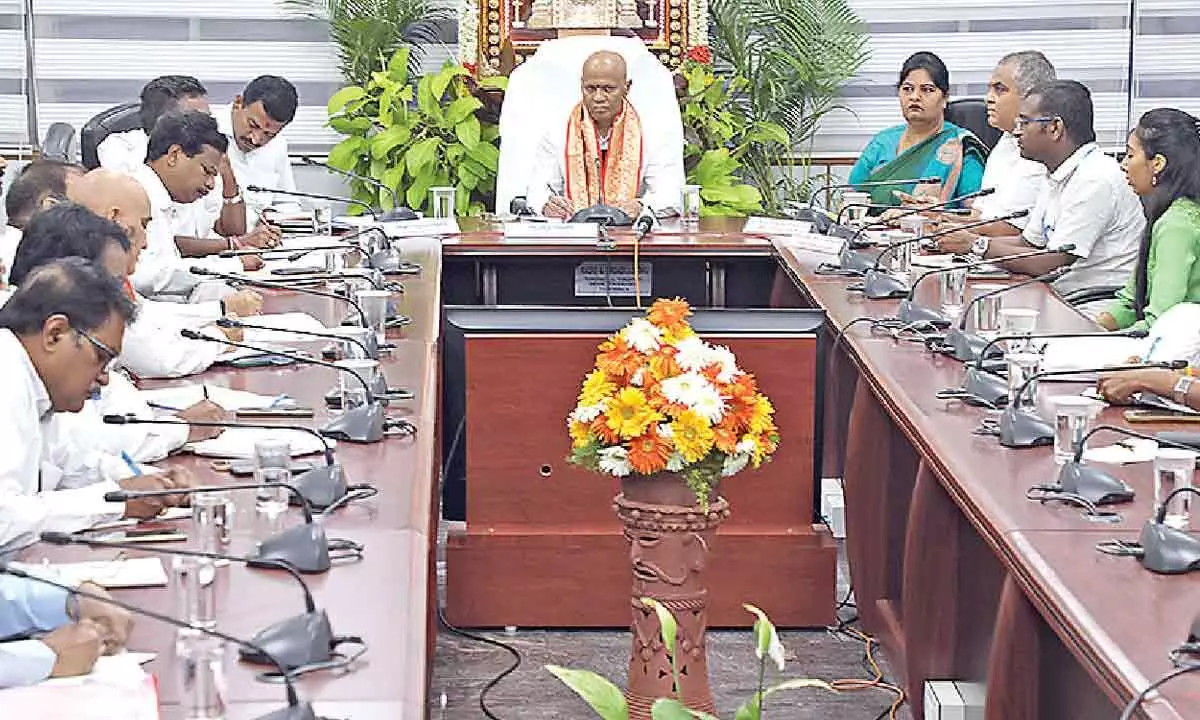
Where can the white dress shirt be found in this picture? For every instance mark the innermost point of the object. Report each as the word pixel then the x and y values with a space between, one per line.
pixel 10 238
pixel 154 348
pixel 1087 202
pixel 161 269
pixel 34 464
pixel 123 152
pixel 662 170
pixel 268 166
pixel 1017 182
pixel 28 606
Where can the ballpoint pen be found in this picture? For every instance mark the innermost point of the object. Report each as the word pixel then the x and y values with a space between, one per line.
pixel 131 463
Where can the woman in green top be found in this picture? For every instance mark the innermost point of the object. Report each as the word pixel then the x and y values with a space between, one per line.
pixel 1162 165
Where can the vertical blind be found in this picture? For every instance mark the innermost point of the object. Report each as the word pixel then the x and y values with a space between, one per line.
pixel 13 130
pixel 1167 56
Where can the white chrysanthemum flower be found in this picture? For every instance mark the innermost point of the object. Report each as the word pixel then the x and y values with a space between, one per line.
pixel 723 358
pixel 687 388
pixel 664 430
pixel 642 335
pixel 745 447
pixel 708 404
pixel 587 413
pixel 734 464
pixel 676 463
pixel 615 461
pixel 639 378
pixel 692 353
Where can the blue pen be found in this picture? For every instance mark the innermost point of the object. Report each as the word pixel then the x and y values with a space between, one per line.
pixel 1150 351
pixel 133 466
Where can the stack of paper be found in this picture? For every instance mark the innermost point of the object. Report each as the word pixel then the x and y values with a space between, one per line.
pixel 283 322
pixel 127 573
pixel 238 443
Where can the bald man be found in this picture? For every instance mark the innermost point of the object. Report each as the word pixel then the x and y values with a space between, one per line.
pixel 598 152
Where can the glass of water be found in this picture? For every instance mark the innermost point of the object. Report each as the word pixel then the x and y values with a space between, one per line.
pixel 1073 416
pixel 323 219
pixel 1018 321
pixel 441 200
pixel 352 391
pixel 200 664
pixel 212 520
pixel 689 207
pixel 354 342
pixel 1173 469
pixel 913 225
pixel 1021 366
pixel 272 466
pixel 194 582
pixel 901 252
pixel 986 311
pixel 375 306
pixel 954 292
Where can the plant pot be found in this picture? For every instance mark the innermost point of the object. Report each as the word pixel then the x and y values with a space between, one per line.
pixel 669 539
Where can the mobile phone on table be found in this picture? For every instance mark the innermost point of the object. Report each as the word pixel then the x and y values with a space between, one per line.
pixel 275 412
pixel 1159 415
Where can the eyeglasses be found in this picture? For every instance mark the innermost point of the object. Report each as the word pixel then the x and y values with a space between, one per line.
pixel 107 355
pixel 1023 121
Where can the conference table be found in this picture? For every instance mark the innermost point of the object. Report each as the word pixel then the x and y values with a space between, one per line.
pixel 953 569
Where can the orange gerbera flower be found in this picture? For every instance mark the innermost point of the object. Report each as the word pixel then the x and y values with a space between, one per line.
pixel 617 359
pixel 599 427
pixel 648 453
pixel 663 364
pixel 669 314
pixel 725 438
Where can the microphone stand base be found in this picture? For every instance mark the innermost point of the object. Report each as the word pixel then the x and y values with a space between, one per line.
pixel 321 486
pixel 398 213
pixel 879 285
pixel 363 424
pixel 299 711
pixel 1024 429
pixel 304 547
pixel 912 313
pixel 965 346
pixel 1093 484
pixel 988 386
pixel 296 642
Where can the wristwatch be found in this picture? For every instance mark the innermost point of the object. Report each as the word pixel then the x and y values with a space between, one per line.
pixel 1182 385
pixel 235 200
pixel 980 247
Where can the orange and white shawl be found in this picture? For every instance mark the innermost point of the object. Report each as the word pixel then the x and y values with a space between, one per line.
pixel 620 167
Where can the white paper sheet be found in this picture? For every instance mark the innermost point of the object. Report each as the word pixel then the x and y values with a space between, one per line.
pixel 238 443
pixel 182 396
pixel 127 573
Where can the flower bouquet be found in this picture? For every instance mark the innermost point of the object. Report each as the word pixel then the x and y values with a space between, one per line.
pixel 661 399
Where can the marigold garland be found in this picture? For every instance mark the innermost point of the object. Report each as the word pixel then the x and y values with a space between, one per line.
pixel 661 399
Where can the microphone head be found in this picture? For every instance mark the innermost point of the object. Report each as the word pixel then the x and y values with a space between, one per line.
pixel 1138 333
pixel 1177 364
pixel 254 188
pixel 307 160
pixel 983 192
pixel 116 420
pixel 227 322
pixel 191 334
pixel 519 205
pixel 115 496
pixel 932 179
pixel 1065 248
pixel 1019 213
pixel 197 270
pixel 54 537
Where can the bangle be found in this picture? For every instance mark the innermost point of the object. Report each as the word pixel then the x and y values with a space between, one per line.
pixel 72 606
pixel 235 200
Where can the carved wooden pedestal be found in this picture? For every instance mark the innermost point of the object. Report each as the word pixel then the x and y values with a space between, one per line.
pixel 669 540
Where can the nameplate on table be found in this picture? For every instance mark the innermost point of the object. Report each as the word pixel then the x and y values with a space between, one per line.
pixel 776 226
pixel 421 227
pixel 551 231
pixel 600 278
pixel 811 242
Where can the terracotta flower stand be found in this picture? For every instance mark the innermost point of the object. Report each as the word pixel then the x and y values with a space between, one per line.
pixel 669 539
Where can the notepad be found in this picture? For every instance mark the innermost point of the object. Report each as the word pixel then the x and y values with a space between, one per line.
pixel 179 397
pixel 238 443
pixel 126 573
pixel 117 687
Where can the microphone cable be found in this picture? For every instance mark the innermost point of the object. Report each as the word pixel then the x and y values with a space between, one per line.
pixel 454 629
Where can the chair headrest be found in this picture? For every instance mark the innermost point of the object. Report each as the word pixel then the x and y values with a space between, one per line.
pixel 118 119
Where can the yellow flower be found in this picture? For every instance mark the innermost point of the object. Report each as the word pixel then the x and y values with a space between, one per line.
pixel 760 420
pixel 596 388
pixel 628 413
pixel 692 436
pixel 579 434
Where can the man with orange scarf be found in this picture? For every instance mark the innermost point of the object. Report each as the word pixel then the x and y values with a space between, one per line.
pixel 602 154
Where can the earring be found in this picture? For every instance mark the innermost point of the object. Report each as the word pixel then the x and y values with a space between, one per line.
pixel 1154 180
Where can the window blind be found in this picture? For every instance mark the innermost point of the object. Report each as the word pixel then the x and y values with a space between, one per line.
pixel 1167 56
pixel 13 133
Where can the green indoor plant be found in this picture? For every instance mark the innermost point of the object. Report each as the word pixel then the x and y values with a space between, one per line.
pixel 792 56
pixel 413 136
pixel 609 703
pixel 367 30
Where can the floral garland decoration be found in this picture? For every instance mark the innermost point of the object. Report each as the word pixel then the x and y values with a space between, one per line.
pixel 661 399
pixel 468 31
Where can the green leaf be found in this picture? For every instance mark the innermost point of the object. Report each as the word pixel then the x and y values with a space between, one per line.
pixel 666 622
pixel 417 194
pixel 462 199
pixel 671 709
pixel 494 81
pixel 467 132
pixel 442 79
pixel 603 697
pixel 426 102
pixel 736 195
pixel 752 708
pixel 339 99
pixel 397 67
pixel 350 126
pixel 766 639
pixel 461 109
pixel 391 138
pixel 486 154
pixel 489 133
pixel 345 154
pixel 422 154
pixel 454 154
pixel 769 132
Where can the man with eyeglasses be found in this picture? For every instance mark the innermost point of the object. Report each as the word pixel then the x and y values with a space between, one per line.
pixel 60 332
pixel 1086 201
pixel 601 153
pixel 39 184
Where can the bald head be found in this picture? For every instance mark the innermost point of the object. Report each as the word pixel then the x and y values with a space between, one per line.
pixel 119 198
pixel 604 83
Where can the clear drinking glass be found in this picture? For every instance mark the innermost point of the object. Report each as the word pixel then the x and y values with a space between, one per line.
pixel 194 582
pixel 323 219
pixel 1018 321
pixel 212 520
pixel 853 206
pixel 986 312
pixel 900 256
pixel 272 465
pixel 1073 416
pixel 441 200
pixel 352 391
pixel 689 207
pixel 200 662
pixel 1021 366
pixel 375 306
pixel 914 225
pixel 1173 469
pixel 354 342
pixel 954 292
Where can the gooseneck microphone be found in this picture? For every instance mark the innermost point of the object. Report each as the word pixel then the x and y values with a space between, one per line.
pixel 1019 427
pixel 994 342
pixel 602 213
pixel 398 211
pixel 295 710
pixel 360 424
pixel 322 487
pixel 866 206
pixel 315 196
pixel 966 346
pixel 984 192
pixel 644 223
pixel 299 644
pixel 369 348
pixel 252 282
pixel 812 198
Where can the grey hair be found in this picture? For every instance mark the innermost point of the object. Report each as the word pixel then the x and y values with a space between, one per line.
pixel 1030 69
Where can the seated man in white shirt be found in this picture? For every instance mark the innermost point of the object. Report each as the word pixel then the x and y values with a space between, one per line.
pixel 182 163
pixel 257 152
pixel 40 184
pixel 601 153
pixel 59 334
pixel 1086 202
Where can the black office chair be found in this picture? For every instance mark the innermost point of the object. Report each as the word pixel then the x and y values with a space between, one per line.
pixel 121 118
pixel 971 114
pixel 1082 296
pixel 59 143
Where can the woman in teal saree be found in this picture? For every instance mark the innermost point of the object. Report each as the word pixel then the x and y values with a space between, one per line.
pixel 925 146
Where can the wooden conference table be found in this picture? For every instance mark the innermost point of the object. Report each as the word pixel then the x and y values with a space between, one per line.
pixel 958 574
